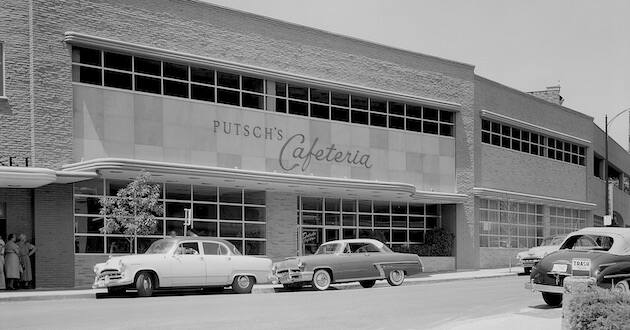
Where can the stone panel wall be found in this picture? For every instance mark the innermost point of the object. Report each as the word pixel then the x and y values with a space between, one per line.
pixel 281 225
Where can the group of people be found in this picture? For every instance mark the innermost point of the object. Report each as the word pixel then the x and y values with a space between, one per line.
pixel 15 262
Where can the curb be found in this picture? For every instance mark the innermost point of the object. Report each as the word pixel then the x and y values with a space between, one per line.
pixel 261 289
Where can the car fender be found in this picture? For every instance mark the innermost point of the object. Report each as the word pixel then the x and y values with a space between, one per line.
pixel 140 269
pixel 329 269
pixel 616 272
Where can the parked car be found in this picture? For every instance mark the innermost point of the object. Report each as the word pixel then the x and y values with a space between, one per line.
pixel 183 262
pixel 532 256
pixel 587 257
pixel 362 260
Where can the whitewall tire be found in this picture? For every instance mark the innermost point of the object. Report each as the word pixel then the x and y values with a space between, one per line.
pixel 321 279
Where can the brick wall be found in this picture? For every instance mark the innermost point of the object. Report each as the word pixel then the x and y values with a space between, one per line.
pixel 54 230
pixel 84 268
pixel 281 225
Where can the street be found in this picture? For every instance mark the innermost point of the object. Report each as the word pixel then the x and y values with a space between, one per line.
pixel 464 304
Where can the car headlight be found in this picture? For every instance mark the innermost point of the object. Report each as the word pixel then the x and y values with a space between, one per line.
pixel 301 265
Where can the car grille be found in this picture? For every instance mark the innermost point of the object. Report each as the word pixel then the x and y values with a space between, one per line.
pixel 112 274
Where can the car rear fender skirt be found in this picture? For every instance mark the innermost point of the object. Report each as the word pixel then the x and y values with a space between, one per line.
pixel 332 276
pixel 156 278
pixel 252 275
pixel 385 267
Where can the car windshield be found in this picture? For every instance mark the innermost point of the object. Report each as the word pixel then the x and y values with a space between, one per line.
pixel 331 248
pixel 589 242
pixel 160 247
pixel 555 240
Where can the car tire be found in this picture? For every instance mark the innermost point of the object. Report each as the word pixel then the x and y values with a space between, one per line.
pixel 321 279
pixel 367 284
pixel 243 284
pixel 552 299
pixel 622 286
pixel 144 284
pixel 292 286
pixel 116 291
pixel 396 277
pixel 527 270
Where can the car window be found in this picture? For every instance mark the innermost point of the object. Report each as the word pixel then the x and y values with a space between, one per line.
pixel 589 242
pixel 188 248
pixel 363 247
pixel 328 248
pixel 160 247
pixel 211 248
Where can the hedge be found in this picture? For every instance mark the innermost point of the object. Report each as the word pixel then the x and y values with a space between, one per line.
pixel 596 308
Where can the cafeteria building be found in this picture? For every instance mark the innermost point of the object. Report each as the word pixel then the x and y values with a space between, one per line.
pixel 278 136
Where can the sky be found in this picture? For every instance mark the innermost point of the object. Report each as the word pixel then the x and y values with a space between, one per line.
pixel 583 46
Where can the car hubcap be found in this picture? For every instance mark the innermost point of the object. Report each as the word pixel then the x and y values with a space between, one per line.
pixel 396 276
pixel 322 279
pixel 243 281
pixel 146 284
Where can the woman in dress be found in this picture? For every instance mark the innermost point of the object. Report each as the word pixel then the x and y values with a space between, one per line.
pixel 2 280
pixel 26 251
pixel 12 262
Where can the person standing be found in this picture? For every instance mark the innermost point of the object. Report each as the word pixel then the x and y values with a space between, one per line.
pixel 26 250
pixel 12 262
pixel 2 280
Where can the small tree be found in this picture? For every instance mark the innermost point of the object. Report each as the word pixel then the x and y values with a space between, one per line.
pixel 132 212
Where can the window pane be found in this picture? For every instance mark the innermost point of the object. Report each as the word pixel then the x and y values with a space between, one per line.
pixel 254 213
pixel 202 75
pixel 204 211
pixel 340 99
pixel 89 187
pixel 88 225
pixel 311 218
pixel 340 114
pixel 414 125
pixel 177 71
pixel 365 206
pixel 253 101
pixel 228 97
pixel 253 230
pixel 88 244
pixel 378 105
pixel 446 130
pixel 177 191
pixel 202 93
pixel 229 212
pixel 332 219
pixel 381 207
pixel 175 226
pixel 430 127
pixel 118 79
pixel 350 220
pixel 86 75
pixel 117 61
pixel 253 84
pixel 86 56
pixel 175 88
pixel 360 117
pixel 320 111
pixel 176 209
pixel 365 220
pixel 205 193
pixel 332 204
pixel 378 120
pixel 447 116
pixel 297 92
pixel 298 108
pixel 430 114
pixel 255 248
pixel 118 245
pixel 414 111
pixel 228 80
pixel 281 89
pixel 148 84
pixel 349 205
pixel 319 95
pixel 148 66
pixel 86 205
pixel 227 229
pixel 396 108
pixel 311 203
pixel 381 221
pixel 205 228
pixel 359 102
pixel 230 195
pixel 396 122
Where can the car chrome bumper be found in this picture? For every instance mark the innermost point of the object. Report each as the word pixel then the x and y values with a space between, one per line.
pixel 529 262
pixel 107 281
pixel 570 284
pixel 292 276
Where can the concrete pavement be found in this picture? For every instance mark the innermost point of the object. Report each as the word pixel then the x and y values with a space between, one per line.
pixel 53 294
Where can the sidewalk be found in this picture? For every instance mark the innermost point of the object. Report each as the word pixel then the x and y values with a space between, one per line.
pixel 54 294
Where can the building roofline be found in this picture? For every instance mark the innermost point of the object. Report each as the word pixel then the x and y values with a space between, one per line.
pixel 334 34
pixel 532 97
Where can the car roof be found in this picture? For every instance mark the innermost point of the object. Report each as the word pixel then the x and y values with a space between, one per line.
pixel 621 237
pixel 179 239
pixel 358 240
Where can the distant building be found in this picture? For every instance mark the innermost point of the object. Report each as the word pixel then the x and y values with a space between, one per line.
pixel 279 137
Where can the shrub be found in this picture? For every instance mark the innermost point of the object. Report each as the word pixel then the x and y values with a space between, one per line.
pixel 437 243
pixel 596 308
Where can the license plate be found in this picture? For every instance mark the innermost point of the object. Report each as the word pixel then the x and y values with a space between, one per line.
pixel 561 268
pixel 581 264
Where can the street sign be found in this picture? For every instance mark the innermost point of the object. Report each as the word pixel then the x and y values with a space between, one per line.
pixel 608 220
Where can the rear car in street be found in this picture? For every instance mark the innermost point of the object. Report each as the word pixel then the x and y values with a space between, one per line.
pixel 532 256
pixel 183 262
pixel 351 260
pixel 588 257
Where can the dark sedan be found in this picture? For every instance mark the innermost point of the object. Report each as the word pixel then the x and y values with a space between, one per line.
pixel 590 256
pixel 362 260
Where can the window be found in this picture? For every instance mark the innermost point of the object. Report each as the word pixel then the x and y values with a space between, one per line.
pixel 2 69
pixel 236 215
pixel 510 224
pixel 565 220
pixel 150 75
pixel 518 139
pixel 400 224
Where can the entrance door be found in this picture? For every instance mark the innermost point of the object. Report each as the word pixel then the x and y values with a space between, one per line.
pixel 3 220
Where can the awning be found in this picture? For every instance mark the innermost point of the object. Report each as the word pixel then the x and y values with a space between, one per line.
pixel 530 198
pixel 33 177
pixel 128 169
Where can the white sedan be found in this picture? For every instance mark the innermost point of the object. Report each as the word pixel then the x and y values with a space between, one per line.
pixel 183 262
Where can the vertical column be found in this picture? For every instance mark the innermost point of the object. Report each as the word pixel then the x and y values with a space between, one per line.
pixel 54 232
pixel 281 224
pixel 546 221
